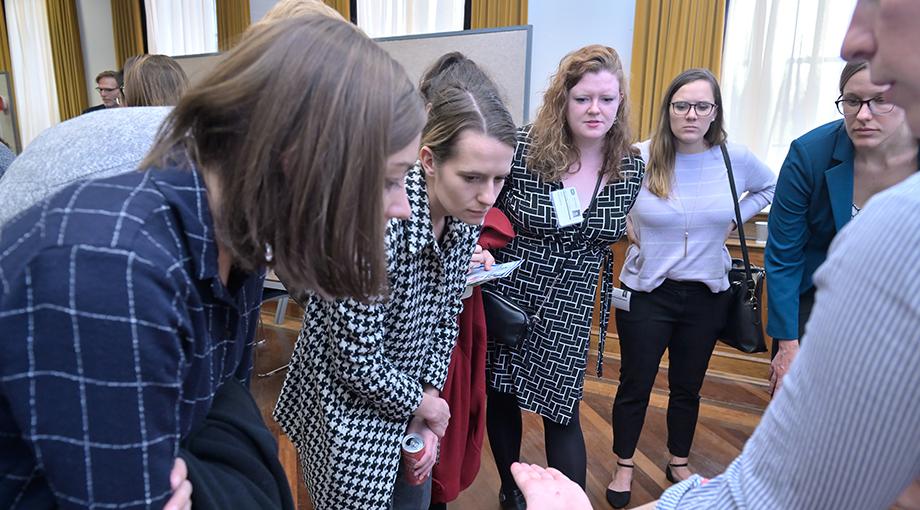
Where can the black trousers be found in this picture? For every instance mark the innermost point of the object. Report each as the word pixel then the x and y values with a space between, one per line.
pixel 685 318
pixel 565 444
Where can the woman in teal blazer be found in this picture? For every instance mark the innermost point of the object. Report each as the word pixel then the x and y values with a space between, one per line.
pixel 828 175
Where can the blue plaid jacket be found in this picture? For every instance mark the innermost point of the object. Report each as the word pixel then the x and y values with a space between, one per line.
pixel 115 333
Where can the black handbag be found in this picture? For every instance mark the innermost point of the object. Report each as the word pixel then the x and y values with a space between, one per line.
pixel 743 328
pixel 506 323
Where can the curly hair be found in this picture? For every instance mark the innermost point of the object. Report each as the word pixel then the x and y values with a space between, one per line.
pixel 554 151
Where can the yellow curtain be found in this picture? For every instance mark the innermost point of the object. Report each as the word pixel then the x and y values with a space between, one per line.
pixel 343 6
pixel 67 57
pixel 5 63
pixel 126 25
pixel 498 13
pixel 668 38
pixel 232 20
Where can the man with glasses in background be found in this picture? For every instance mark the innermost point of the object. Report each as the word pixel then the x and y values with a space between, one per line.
pixel 108 85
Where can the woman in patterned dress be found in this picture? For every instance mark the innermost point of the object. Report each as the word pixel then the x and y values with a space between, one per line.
pixel 580 140
pixel 363 374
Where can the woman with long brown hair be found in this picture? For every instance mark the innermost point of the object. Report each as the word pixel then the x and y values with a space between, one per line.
pixel 579 145
pixel 363 375
pixel 145 353
pixel 677 266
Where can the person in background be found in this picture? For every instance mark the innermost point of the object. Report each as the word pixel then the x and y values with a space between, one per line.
pixel 828 176
pixel 677 267
pixel 95 146
pixel 108 85
pixel 365 374
pixel 844 433
pixel 578 144
pixel 129 304
pixel 154 80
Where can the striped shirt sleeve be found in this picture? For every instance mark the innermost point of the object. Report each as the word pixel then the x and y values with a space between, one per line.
pixel 844 432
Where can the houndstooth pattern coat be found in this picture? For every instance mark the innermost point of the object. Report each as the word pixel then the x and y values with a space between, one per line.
pixel 357 371
pixel 557 282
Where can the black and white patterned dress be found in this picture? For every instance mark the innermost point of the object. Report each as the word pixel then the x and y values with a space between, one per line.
pixel 357 371
pixel 557 281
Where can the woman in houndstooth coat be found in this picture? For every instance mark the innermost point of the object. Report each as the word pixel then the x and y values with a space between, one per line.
pixel 364 374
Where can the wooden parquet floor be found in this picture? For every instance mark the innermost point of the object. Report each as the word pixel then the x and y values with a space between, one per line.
pixel 729 413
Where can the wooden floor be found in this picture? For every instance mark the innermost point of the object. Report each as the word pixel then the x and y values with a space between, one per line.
pixel 729 413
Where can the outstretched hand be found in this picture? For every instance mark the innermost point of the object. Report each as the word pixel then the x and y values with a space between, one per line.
pixel 548 489
pixel 181 498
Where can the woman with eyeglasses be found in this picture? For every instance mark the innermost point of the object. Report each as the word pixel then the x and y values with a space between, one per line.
pixel 677 267
pixel 829 174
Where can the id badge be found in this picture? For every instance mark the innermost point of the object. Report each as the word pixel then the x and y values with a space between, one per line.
pixel 621 298
pixel 567 207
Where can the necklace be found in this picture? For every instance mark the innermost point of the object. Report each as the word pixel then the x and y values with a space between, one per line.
pixel 688 218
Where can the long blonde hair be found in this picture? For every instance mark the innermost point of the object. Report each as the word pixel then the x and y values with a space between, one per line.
pixel 554 151
pixel 659 169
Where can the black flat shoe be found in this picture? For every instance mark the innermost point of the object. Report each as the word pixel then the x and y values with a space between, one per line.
pixel 512 500
pixel 669 475
pixel 619 499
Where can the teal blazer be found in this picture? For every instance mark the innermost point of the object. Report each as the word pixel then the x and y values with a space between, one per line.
pixel 813 201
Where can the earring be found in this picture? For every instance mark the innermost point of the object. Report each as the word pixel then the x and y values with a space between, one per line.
pixel 269 254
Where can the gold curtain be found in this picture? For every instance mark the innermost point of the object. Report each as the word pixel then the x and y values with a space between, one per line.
pixel 498 13
pixel 343 6
pixel 668 38
pixel 232 20
pixel 126 25
pixel 67 57
pixel 5 63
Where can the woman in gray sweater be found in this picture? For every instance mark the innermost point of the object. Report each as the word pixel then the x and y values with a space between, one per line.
pixel 677 267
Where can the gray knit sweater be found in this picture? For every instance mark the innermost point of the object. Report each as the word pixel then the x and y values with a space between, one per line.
pixel 99 144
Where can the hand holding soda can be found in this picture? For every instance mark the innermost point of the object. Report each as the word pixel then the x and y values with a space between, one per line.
pixel 413 447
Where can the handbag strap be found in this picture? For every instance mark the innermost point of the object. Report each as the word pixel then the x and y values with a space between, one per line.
pixel 738 223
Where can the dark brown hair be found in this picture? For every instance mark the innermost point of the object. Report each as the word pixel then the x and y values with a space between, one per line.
pixel 849 70
pixel 461 97
pixel 554 151
pixel 154 80
pixel 296 124
pixel 659 169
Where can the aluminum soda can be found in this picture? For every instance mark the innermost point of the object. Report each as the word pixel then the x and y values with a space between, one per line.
pixel 413 447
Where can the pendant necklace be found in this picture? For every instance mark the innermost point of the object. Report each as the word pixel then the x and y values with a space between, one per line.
pixel 688 217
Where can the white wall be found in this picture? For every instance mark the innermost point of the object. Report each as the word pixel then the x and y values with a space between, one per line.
pixel 98 42
pixel 560 27
pixel 258 8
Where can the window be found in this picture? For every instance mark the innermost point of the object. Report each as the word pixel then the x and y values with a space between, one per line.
pixel 181 27
pixel 408 17
pixel 780 67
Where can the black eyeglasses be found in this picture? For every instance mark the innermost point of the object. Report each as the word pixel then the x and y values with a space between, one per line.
pixel 850 106
pixel 104 89
pixel 703 108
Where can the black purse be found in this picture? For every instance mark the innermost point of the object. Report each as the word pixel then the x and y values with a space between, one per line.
pixel 506 323
pixel 743 328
